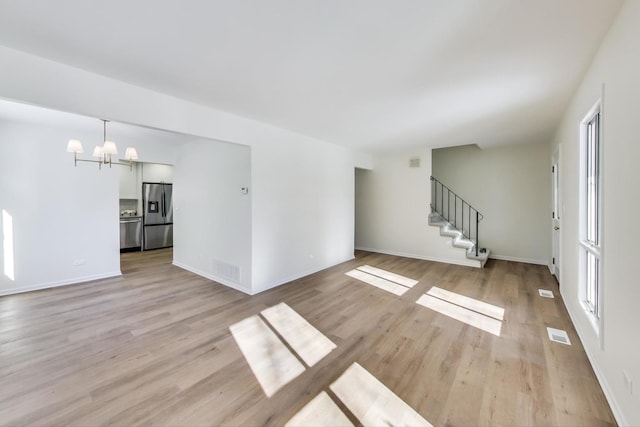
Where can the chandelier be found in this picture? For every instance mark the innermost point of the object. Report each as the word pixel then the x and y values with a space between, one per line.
pixel 102 152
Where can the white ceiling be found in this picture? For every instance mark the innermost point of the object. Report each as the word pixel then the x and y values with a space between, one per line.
pixel 369 74
pixel 119 132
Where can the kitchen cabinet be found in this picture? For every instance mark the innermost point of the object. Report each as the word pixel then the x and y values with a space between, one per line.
pixel 130 184
pixel 155 172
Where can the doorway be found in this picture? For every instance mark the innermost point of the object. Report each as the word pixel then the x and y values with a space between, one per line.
pixel 146 213
pixel 556 214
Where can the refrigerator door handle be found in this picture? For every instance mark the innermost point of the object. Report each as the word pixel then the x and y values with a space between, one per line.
pixel 164 205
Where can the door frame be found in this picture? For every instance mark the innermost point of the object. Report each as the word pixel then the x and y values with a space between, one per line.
pixel 555 264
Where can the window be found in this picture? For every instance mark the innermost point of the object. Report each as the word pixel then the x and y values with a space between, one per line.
pixel 592 178
pixel 590 233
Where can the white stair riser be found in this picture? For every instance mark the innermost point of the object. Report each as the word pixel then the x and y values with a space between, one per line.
pixel 459 241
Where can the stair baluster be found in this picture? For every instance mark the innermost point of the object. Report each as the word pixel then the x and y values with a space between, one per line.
pixel 471 212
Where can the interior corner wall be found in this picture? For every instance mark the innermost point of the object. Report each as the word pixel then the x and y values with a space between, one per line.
pixel 303 209
pixel 511 187
pixel 289 171
pixel 64 219
pixel 212 215
pixel 616 66
pixel 392 210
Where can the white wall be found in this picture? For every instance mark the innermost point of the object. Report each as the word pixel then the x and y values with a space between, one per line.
pixel 279 161
pixel 617 66
pixel 510 186
pixel 303 211
pixel 392 210
pixel 61 215
pixel 212 217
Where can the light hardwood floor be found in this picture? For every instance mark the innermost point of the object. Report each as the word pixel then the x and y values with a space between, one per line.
pixel 154 348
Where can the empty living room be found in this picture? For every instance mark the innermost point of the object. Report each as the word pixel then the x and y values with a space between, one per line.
pixel 319 213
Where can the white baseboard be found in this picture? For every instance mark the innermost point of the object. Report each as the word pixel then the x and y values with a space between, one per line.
pixel 250 292
pixel 517 259
pixel 212 277
pixel 604 384
pixel 465 263
pixel 286 280
pixel 66 282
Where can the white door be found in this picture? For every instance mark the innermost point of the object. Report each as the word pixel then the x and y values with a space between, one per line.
pixel 555 214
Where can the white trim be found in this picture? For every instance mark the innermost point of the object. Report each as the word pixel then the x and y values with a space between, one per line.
pixel 601 214
pixel 250 291
pixel 465 263
pixel 555 263
pixel 606 389
pixel 212 277
pixel 47 285
pixel 517 259
pixel 596 250
pixel 584 246
pixel 286 280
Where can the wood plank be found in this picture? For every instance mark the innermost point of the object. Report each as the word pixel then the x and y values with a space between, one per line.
pixel 302 337
pixel 270 360
pixel 153 347
pixel 378 282
pixel 388 275
pixel 468 303
pixel 320 412
pixel 472 318
pixel 372 402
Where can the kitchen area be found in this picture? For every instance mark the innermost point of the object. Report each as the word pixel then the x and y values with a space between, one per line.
pixel 146 207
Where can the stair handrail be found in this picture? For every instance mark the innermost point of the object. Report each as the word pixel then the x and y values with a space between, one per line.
pixel 471 212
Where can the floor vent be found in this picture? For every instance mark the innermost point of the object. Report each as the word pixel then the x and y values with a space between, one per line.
pixel 558 335
pixel 545 293
pixel 226 271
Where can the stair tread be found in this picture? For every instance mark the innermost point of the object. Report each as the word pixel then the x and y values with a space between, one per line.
pixel 459 240
pixel 482 257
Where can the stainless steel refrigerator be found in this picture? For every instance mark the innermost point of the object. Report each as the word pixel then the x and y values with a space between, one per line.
pixel 157 200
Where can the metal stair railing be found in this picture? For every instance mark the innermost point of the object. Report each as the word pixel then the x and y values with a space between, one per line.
pixel 443 199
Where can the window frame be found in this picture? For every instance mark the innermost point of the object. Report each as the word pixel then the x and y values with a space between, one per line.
pixel 590 231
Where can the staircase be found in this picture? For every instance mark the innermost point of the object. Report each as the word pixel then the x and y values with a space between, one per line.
pixel 458 220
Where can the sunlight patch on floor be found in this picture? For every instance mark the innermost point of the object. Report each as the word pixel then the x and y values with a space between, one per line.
pixel 365 397
pixel 320 412
pixel 270 360
pixel 372 402
pixel 468 303
pixel 272 363
pixel 475 313
pixel 305 340
pixel 392 277
pixel 382 279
